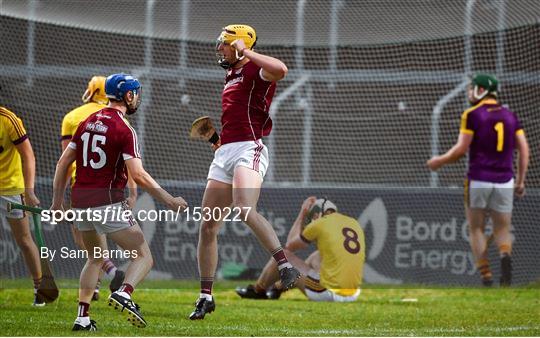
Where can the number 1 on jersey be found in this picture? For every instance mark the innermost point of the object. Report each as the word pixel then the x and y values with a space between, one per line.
pixel 499 127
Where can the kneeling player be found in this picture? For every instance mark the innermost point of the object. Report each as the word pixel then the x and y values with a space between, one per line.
pixel 103 146
pixel 334 271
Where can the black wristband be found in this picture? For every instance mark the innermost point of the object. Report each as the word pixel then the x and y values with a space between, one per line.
pixel 214 139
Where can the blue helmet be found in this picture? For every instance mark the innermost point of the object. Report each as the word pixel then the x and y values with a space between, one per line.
pixel 117 85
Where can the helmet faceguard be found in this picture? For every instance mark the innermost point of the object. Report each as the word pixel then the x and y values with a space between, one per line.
pixel 320 206
pixel 117 87
pixel 134 104
pixel 488 82
pixel 95 92
pixel 231 33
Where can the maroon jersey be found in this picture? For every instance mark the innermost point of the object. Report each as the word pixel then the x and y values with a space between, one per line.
pixel 102 142
pixel 245 101
pixel 491 154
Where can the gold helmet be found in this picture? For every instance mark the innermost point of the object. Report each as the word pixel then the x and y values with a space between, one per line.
pixel 235 32
pixel 95 92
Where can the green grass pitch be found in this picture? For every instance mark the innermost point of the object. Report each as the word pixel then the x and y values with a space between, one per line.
pixel 380 311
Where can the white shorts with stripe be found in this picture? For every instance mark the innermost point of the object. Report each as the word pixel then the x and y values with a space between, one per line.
pixel 320 294
pixel 250 154
pixel 14 213
pixel 106 222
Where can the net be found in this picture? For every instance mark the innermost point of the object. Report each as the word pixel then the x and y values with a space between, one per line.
pixel 374 88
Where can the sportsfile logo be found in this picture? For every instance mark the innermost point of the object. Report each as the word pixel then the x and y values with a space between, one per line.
pixel 119 213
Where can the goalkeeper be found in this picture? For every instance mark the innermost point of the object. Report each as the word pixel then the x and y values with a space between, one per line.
pixel 94 99
pixel 17 174
pixel 332 273
pixel 490 133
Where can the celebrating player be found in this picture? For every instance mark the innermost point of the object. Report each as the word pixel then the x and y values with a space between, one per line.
pixel 17 174
pixel 241 160
pixel 491 133
pixel 94 99
pixel 103 146
pixel 332 273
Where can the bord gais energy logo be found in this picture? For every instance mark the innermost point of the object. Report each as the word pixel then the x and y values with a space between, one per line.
pixel 406 243
pixel 375 215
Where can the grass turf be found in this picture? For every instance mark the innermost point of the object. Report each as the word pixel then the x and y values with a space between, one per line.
pixel 380 311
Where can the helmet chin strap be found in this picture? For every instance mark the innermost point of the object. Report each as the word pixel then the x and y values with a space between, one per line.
pixel 479 96
pixel 226 65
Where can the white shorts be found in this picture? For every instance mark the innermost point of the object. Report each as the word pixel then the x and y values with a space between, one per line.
pixel 494 196
pixel 105 223
pixel 325 295
pixel 14 213
pixel 249 154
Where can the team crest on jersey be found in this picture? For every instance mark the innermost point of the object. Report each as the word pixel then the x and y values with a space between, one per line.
pixel 233 82
pixel 97 126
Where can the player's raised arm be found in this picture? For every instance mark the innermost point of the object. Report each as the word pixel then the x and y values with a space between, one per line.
pixel 272 69
pixel 294 241
pixel 142 178
pixel 523 163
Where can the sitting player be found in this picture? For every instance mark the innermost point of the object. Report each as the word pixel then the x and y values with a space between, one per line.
pixel 334 271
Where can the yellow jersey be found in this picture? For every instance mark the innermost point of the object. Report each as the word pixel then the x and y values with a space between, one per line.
pixel 12 133
pixel 71 122
pixel 341 244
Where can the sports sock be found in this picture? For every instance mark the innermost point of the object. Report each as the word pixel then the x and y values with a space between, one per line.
pixel 506 270
pixel 127 288
pixel 83 309
pixel 206 285
pixel 505 249
pixel 108 267
pixel 37 282
pixel 483 266
pixel 281 259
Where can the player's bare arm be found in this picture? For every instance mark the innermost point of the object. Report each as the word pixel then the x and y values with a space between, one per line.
pixel 69 172
pixel 29 171
pixel 142 178
pixel 132 192
pixel 523 163
pixel 272 69
pixel 455 153
pixel 61 177
pixel 294 241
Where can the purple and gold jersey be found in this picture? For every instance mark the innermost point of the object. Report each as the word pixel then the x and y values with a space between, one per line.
pixel 491 154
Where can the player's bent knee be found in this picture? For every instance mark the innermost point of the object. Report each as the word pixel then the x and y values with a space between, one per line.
pixel 98 261
pixel 209 229
pixel 244 209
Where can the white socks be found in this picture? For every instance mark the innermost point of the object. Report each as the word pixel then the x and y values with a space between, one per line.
pixel 83 321
pixel 205 296
pixel 284 265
